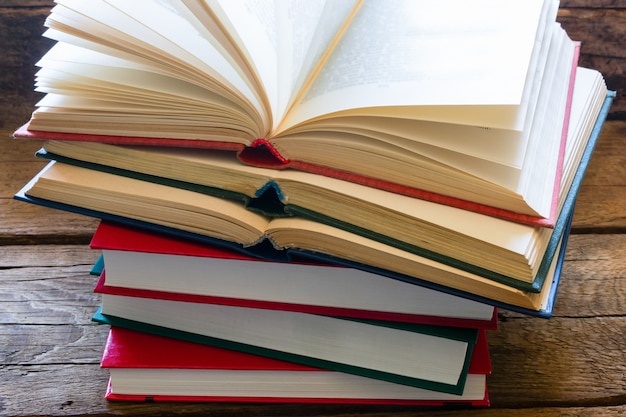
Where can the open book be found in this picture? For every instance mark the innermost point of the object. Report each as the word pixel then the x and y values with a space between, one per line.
pixel 158 189
pixel 219 221
pixel 462 102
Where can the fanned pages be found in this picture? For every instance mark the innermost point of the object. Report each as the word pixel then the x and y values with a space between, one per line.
pixel 464 103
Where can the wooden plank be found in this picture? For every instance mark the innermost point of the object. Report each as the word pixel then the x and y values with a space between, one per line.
pixel 81 381
pixel 73 400
pixel 536 364
pixel 594 277
pixel 608 162
pixel 600 30
pixel 22 4
pixel 593 4
pixel 17 256
pixel 602 200
pixel 579 361
pixel 22 45
pixel 48 296
pixel 22 223
pixel 600 209
pixel 16 175
pixel 26 223
pixel 601 203
pixel 573 364
pixel 18 150
pixel 614 71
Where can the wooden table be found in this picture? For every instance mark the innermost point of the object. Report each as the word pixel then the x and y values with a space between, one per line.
pixel 573 364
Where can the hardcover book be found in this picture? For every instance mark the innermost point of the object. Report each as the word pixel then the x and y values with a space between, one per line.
pixel 466 104
pixel 177 370
pixel 320 242
pixel 143 263
pixel 430 357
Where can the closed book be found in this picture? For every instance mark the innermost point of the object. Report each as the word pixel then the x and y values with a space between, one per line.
pixel 148 367
pixel 424 356
pixel 148 263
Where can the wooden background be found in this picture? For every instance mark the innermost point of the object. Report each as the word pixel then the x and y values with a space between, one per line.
pixel 573 364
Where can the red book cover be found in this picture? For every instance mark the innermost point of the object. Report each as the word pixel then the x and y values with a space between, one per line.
pixel 114 237
pixel 131 350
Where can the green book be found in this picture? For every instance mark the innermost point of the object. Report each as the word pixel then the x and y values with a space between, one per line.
pixel 425 356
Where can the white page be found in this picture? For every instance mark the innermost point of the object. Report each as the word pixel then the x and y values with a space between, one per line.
pixel 74 64
pixel 283 282
pixel 253 25
pixel 410 53
pixel 307 29
pixel 162 33
pixel 413 354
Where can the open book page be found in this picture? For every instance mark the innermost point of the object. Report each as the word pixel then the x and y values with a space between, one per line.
pixel 145 201
pixel 210 28
pixel 478 238
pixel 164 43
pixel 589 96
pixel 498 145
pixel 421 137
pixel 551 120
pixel 309 29
pixel 223 171
pixel 78 80
pixel 283 39
pixel 253 27
pixel 346 201
pixel 444 53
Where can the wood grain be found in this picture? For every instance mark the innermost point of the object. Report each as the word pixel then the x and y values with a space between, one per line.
pixel 571 365
pixel 26 223
pixel 601 29
pixel 601 204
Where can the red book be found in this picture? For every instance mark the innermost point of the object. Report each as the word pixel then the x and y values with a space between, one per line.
pixel 404 131
pixel 146 367
pixel 141 263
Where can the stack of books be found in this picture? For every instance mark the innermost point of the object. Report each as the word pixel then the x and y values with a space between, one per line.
pixel 316 201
